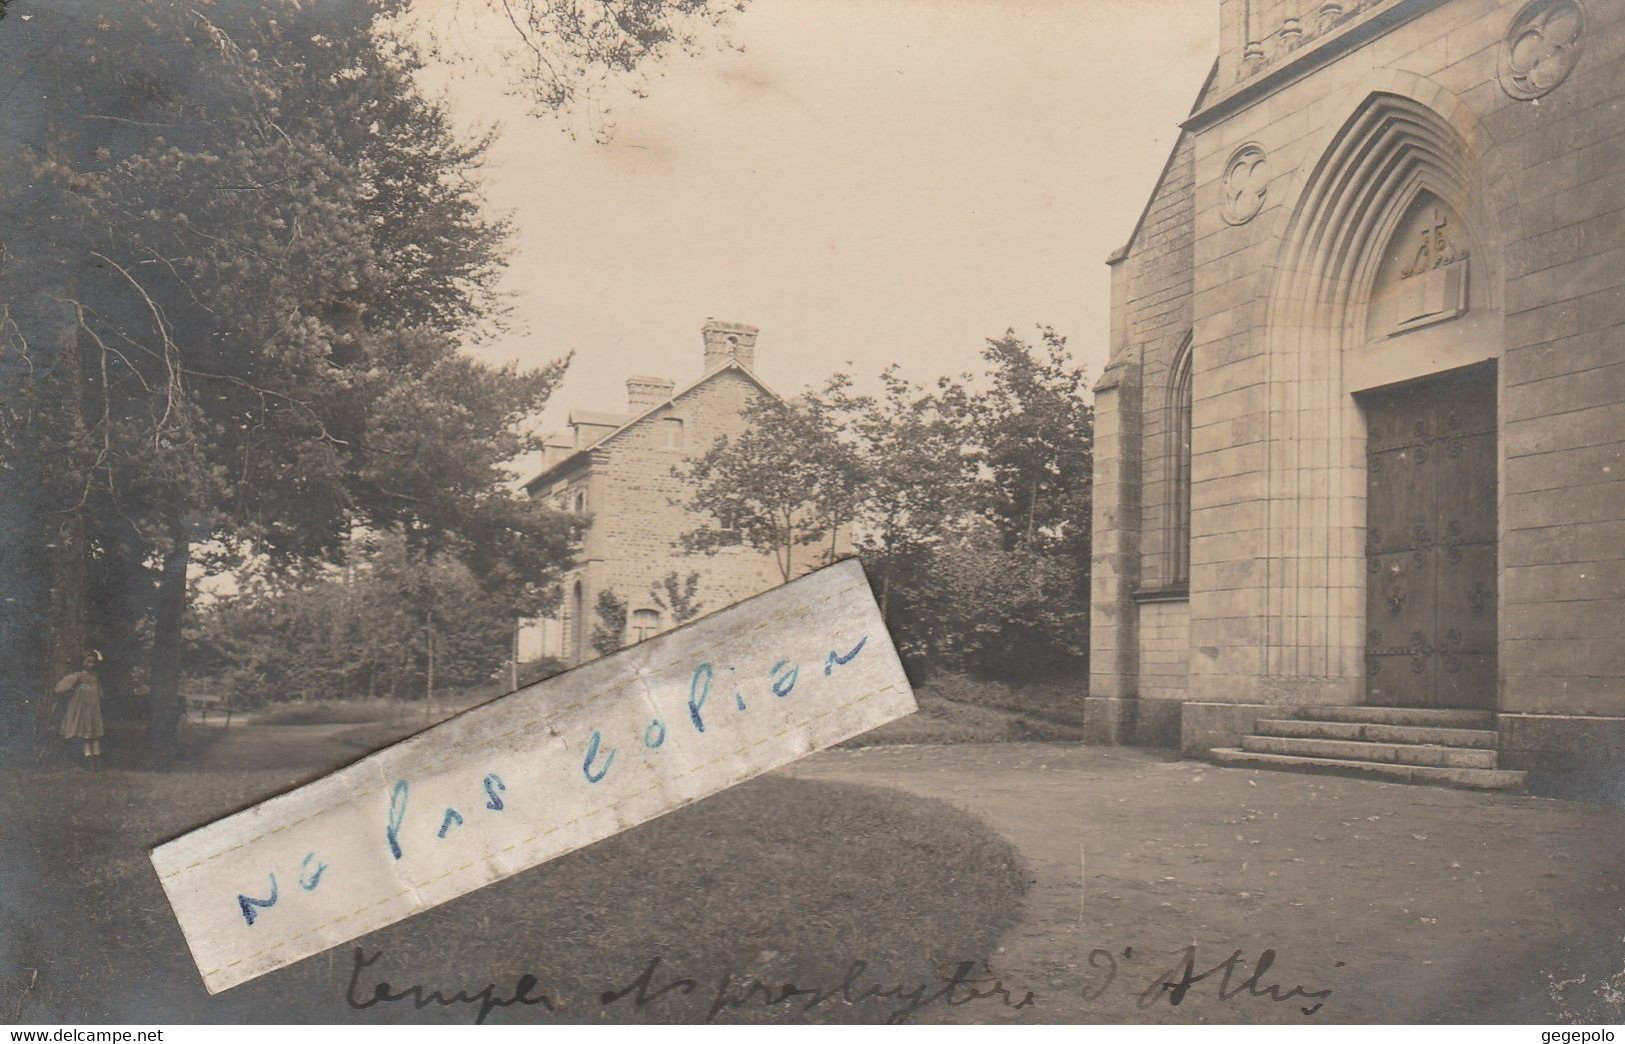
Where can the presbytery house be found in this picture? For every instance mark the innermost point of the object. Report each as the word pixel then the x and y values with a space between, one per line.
pixel 621 470
pixel 1360 473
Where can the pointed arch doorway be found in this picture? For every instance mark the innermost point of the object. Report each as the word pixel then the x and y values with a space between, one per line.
pixel 1385 330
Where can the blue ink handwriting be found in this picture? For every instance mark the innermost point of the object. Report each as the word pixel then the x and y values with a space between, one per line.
pixel 308 880
pixel 697 694
pixel 837 660
pixel 251 906
pixel 494 780
pixel 592 754
pixel 397 815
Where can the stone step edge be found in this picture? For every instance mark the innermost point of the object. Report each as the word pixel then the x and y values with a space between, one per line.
pixel 1460 739
pixel 1323 747
pixel 1471 778
pixel 1354 713
pixel 1420 717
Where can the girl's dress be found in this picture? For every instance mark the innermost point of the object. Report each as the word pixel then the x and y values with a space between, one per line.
pixel 83 718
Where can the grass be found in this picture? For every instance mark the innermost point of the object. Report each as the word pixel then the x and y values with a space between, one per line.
pixel 368 712
pixel 328 712
pixel 959 709
pixel 1058 700
pixel 779 878
pixel 954 708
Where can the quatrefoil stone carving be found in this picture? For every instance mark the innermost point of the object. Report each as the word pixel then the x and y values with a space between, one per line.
pixel 1542 46
pixel 1246 182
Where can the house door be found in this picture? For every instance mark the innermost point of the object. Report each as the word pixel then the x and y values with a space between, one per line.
pixel 1431 543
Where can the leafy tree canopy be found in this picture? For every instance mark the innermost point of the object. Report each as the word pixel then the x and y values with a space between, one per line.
pixel 570 56
pixel 969 501
pixel 240 261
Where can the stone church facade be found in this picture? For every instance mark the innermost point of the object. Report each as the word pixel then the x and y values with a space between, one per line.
pixel 1360 457
pixel 619 469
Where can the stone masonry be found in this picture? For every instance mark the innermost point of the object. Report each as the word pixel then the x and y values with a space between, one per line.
pixel 1367 196
pixel 619 470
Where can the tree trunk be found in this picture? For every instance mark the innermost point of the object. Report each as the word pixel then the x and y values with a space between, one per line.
pixel 787 559
pixel 42 554
pixel 25 638
pixel 121 601
pixel 164 674
pixel 428 683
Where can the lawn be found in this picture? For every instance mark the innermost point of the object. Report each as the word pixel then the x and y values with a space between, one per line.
pixel 779 879
pixel 954 709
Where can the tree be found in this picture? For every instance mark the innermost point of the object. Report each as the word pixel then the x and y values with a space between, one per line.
pixel 1034 430
pixel 609 633
pixel 566 55
pixel 997 610
pixel 787 482
pixel 968 500
pixel 220 341
pixel 363 630
pixel 678 596
pixel 1017 576
pixel 915 474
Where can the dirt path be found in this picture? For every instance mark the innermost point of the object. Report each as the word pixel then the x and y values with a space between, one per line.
pixel 1410 904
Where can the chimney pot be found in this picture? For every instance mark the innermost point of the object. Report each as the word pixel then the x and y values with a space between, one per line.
pixel 644 392
pixel 729 342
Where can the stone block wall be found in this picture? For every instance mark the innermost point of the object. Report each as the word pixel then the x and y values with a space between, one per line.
pixel 1563 387
pixel 1276 611
pixel 640 509
pixel 1165 649
pixel 641 506
pixel 1152 285
pixel 1289 621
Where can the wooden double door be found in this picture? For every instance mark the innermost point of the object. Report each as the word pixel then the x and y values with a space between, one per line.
pixel 1431 543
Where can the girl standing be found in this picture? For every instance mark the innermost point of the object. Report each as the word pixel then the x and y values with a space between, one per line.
pixel 83 718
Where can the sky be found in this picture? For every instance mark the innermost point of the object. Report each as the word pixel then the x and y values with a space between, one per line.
pixel 868 182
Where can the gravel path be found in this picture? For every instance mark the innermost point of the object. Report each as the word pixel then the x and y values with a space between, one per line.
pixel 1407 903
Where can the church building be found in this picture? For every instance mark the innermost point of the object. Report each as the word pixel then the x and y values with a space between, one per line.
pixel 1360 446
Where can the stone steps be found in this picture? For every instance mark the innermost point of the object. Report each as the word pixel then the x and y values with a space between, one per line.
pixel 1358 750
pixel 1483 739
pixel 1472 778
pixel 1434 717
pixel 1439 746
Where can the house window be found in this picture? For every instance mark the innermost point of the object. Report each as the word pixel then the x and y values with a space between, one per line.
pixel 645 624
pixel 580 503
pixel 1179 469
pixel 671 433
pixel 728 523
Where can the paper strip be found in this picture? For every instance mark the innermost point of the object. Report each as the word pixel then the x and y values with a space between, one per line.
pixel 538 773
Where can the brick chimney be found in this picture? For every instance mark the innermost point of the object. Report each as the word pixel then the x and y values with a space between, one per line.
pixel 729 342
pixel 644 392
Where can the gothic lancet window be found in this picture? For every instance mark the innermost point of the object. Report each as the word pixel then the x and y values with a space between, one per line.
pixel 1179 469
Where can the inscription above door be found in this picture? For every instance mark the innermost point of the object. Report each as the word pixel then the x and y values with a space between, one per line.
pixel 1431 544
